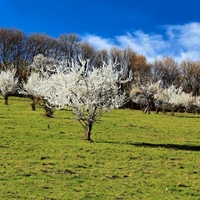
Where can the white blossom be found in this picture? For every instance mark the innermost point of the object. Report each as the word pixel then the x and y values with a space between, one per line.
pixel 197 102
pixel 43 64
pixel 32 86
pixel 8 83
pixel 88 90
pixel 188 100
pixel 144 94
pixel 170 96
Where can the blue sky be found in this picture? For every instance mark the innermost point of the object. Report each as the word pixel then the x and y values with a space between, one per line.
pixel 154 28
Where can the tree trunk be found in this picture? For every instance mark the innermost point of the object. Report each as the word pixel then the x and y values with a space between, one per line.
pixel 33 106
pixel 147 110
pixel 163 110
pixel 6 99
pixel 157 110
pixel 89 132
pixel 172 113
pixel 48 111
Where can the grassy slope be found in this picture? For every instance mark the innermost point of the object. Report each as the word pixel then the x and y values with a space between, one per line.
pixel 134 156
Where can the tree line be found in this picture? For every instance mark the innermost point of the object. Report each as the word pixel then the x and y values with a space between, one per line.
pixel 17 51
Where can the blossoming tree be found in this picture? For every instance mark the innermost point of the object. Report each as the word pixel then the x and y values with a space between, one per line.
pixel 144 94
pixel 8 83
pixel 41 68
pixel 32 89
pixel 188 101
pixel 197 103
pixel 88 90
pixel 170 96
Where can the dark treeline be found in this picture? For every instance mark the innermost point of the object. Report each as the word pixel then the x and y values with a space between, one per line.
pixel 18 49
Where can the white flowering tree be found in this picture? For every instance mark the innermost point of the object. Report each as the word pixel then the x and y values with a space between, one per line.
pixel 42 67
pixel 144 94
pixel 43 64
pixel 33 89
pixel 171 96
pixel 197 103
pixel 8 83
pixel 188 101
pixel 89 91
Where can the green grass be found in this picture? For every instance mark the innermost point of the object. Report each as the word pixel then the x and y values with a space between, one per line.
pixel 133 156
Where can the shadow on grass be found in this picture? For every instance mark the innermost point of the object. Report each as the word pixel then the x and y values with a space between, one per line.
pixel 187 116
pixel 168 146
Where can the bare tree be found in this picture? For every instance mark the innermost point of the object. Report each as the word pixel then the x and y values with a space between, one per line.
pixel 42 44
pixel 141 70
pixel 190 72
pixel 68 45
pixel 167 71
pixel 86 51
pixel 12 48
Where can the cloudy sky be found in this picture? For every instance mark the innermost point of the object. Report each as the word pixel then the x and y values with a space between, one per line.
pixel 154 28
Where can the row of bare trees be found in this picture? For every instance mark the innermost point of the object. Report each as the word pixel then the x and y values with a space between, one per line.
pixel 18 49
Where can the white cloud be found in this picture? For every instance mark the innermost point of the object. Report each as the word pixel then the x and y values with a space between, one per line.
pixel 177 41
pixel 187 35
pixel 148 45
pixel 185 41
pixel 98 42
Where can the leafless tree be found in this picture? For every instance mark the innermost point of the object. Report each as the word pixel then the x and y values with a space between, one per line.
pixel 166 70
pixel 68 45
pixel 190 72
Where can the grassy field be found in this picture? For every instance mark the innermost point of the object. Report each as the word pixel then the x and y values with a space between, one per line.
pixel 133 156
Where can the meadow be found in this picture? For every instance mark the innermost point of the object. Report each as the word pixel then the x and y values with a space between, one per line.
pixel 133 156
